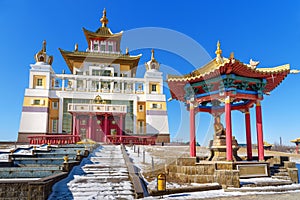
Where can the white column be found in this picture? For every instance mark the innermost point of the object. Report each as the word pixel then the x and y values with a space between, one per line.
pixel 135 114
pixel 133 87
pixel 60 114
pixel 63 84
pixel 88 85
pixel 146 87
pixel 111 86
pixel 75 85
pixel 122 86
pixel 99 86
pixel 84 85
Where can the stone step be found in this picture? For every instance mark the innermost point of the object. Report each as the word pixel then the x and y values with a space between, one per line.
pixel 281 177
pixel 281 174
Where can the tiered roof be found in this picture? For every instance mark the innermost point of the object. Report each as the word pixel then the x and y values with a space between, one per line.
pixel 224 66
pixel 103 33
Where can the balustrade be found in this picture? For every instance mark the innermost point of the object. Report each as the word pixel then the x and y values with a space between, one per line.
pixel 105 84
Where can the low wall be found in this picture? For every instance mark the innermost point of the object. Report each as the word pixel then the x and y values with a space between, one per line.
pixel 186 170
pixel 29 189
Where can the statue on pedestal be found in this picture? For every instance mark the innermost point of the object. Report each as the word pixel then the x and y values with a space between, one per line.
pixel 218 127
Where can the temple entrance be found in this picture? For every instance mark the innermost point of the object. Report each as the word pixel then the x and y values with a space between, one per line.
pixel 97 121
pixel 98 133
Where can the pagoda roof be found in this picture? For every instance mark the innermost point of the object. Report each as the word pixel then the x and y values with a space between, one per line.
pixel 222 66
pixel 79 56
pixel 297 140
pixel 102 32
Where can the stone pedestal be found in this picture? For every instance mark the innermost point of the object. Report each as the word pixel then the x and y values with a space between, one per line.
pixel 218 149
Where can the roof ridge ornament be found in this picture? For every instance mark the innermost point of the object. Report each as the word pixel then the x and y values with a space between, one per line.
pixel 294 71
pixel 218 53
pixel 104 20
pixel 253 63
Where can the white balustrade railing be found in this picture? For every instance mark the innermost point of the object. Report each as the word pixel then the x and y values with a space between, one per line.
pixel 83 83
pixel 96 108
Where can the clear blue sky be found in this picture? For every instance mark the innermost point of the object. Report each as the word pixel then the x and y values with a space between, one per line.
pixel 268 31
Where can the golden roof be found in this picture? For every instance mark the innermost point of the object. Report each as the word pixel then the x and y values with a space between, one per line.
pixel 235 65
pixel 103 31
pixel 296 140
pixel 79 56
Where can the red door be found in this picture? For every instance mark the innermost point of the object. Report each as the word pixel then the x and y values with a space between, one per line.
pixel 97 129
pixel 113 125
pixel 83 127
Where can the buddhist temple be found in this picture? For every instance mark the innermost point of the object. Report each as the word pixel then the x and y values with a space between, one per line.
pixel 101 99
pixel 222 86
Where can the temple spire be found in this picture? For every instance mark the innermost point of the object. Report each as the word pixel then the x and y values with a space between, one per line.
pixel 218 53
pixel 219 50
pixel 152 54
pixel 104 20
pixel 44 46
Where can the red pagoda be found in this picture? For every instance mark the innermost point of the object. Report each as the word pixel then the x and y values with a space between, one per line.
pixel 223 85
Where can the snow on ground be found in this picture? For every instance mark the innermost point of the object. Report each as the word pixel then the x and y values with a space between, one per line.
pixel 21 150
pixel 103 175
pixel 165 154
pixel 218 194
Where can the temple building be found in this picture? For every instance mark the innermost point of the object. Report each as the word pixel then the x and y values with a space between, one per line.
pixel 100 98
pixel 224 85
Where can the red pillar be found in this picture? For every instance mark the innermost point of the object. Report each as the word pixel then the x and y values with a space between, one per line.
pixel 228 129
pixel 121 125
pixel 77 128
pixel 192 131
pixel 259 127
pixel 90 127
pixel 105 126
pixel 248 135
pixel 74 126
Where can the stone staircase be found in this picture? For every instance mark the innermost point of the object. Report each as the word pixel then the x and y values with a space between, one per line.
pixel 105 176
pixel 280 172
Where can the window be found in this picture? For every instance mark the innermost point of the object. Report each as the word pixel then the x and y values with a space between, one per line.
pixel 102 47
pixel 153 88
pixel 141 108
pixel 96 47
pixel 54 126
pixel 39 82
pixel 36 102
pixel 154 105
pixel 110 48
pixel 55 105
pixel 96 72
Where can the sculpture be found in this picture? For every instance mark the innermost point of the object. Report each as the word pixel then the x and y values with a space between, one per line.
pixel 218 126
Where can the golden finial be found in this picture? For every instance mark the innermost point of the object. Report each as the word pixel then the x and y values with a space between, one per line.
pixel 127 51
pixel 218 51
pixel 44 46
pixel 152 54
pixel 231 55
pixel 104 20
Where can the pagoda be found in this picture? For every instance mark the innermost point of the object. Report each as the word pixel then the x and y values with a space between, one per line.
pixel 103 46
pixel 221 86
